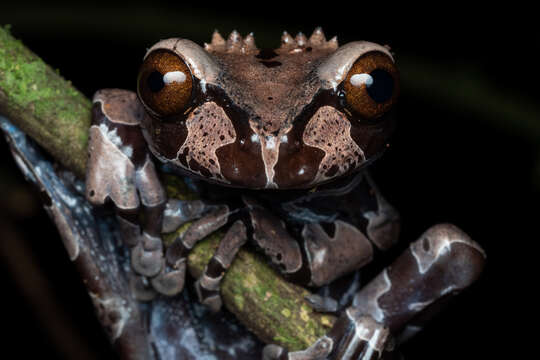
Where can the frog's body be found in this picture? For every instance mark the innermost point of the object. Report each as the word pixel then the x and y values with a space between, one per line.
pixel 276 142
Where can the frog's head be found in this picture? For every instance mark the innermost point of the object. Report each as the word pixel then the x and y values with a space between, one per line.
pixel 293 117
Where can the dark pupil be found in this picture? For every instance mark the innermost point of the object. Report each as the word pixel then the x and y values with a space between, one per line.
pixel 155 81
pixel 383 86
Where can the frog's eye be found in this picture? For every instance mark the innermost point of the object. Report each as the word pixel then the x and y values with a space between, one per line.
pixel 372 85
pixel 165 83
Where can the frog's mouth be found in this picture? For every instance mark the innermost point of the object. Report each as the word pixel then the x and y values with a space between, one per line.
pixel 296 180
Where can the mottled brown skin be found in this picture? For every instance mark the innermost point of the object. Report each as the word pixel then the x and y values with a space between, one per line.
pixel 275 142
pixel 257 106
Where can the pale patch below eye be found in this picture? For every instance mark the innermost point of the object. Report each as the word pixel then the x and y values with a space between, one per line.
pixel 361 79
pixel 174 76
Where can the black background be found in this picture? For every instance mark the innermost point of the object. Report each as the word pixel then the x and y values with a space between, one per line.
pixel 466 150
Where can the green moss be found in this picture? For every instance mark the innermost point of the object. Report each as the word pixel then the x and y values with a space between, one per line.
pixel 177 189
pixel 46 106
pixel 271 305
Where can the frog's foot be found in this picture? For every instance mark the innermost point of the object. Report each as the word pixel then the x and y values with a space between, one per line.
pixel 171 278
pixel 208 284
pixel 440 264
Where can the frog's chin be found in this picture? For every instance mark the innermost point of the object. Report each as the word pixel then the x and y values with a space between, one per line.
pixel 170 168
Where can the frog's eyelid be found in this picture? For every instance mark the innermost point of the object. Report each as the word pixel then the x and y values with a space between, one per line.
pixel 334 69
pixel 202 65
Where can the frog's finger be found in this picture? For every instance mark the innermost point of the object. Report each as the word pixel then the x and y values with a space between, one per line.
pixel 208 284
pixel 178 212
pixel 270 234
pixel 130 231
pixel 197 231
pixel 318 351
pixel 274 352
pixel 170 281
pixel 147 256
pixel 357 336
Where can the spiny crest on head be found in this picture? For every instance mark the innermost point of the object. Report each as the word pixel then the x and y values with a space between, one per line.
pixel 317 41
pixel 234 44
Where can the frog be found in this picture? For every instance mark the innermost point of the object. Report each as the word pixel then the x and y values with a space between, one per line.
pixel 277 143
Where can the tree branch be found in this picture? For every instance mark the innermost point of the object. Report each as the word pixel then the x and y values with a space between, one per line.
pixel 49 109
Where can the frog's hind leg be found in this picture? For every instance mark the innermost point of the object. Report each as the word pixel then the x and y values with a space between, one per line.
pixel 440 264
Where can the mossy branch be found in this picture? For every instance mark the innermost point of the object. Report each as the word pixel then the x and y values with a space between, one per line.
pixel 49 109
